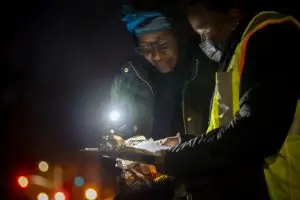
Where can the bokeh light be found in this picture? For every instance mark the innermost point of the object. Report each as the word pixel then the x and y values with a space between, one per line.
pixel 43 166
pixel 78 181
pixel 59 196
pixel 42 196
pixel 91 194
pixel 23 182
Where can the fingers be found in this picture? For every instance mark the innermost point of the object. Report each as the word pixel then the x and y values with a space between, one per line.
pixel 118 139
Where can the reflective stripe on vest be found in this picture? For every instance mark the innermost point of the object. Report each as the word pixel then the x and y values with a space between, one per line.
pixel 283 175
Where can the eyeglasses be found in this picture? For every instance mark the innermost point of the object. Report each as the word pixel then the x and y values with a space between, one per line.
pixel 146 49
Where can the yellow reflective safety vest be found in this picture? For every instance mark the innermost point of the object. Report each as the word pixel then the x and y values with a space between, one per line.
pixel 283 175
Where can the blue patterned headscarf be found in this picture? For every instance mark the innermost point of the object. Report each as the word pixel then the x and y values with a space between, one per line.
pixel 134 20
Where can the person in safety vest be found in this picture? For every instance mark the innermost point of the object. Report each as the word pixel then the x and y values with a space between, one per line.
pixel 251 149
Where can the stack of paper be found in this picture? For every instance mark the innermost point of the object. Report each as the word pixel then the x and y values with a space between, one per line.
pixel 151 146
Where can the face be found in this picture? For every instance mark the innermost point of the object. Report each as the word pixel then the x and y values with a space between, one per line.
pixel 212 25
pixel 160 49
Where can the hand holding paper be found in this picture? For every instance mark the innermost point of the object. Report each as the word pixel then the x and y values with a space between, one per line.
pixel 151 146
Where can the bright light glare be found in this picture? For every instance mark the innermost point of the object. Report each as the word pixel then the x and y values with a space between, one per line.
pixel 42 196
pixel 43 166
pixel 59 196
pixel 23 182
pixel 91 194
pixel 114 116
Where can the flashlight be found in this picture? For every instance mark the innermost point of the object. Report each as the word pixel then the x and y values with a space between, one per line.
pixel 119 124
pixel 114 116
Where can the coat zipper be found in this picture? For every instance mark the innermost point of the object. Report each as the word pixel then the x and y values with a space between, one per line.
pixel 183 94
pixel 141 78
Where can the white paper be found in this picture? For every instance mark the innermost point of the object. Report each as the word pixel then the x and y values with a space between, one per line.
pixel 151 146
pixel 140 143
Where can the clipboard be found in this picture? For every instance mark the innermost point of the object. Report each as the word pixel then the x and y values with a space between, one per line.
pixel 127 153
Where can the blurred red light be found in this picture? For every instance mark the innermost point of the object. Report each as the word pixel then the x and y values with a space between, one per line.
pixel 59 196
pixel 23 181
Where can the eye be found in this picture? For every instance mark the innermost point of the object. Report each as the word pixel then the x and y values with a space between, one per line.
pixel 145 46
pixel 163 44
pixel 144 50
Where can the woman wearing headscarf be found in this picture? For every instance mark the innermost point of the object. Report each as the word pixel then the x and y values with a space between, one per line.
pixel 165 89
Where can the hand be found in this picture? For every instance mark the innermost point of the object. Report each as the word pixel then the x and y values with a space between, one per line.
pixel 147 169
pixel 171 141
pixel 118 139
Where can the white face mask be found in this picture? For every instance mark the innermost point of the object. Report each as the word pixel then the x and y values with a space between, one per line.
pixel 210 50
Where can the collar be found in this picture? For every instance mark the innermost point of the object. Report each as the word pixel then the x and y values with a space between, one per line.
pixel 232 42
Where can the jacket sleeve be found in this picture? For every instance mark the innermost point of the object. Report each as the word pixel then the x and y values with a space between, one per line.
pixel 268 100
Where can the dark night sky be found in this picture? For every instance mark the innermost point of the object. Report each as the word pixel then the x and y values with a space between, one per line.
pixel 61 57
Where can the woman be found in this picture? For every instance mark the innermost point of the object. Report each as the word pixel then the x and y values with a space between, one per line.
pixel 165 89
pixel 251 149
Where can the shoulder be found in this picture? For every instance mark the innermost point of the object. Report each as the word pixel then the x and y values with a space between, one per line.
pixel 276 34
pixel 270 50
pixel 127 71
pixel 135 62
pixel 275 43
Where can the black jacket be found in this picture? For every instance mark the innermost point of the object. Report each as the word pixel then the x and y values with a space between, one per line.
pixel 232 167
pixel 142 93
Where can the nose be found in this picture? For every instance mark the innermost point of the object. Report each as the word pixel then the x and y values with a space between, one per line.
pixel 156 55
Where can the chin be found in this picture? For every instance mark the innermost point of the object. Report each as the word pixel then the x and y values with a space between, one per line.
pixel 165 67
pixel 165 70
